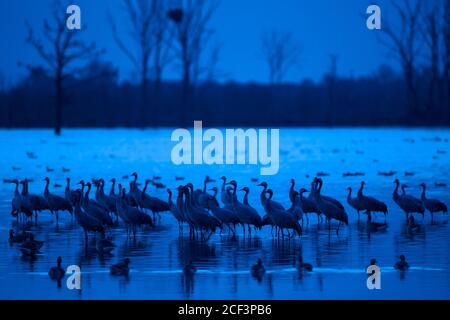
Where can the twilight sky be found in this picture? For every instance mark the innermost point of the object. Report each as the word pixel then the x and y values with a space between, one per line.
pixel 322 27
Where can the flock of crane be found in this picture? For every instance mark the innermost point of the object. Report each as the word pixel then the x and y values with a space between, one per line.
pixel 201 211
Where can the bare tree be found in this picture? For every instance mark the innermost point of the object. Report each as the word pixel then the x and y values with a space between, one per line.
pixel 330 81
pixel 141 14
pixel 162 35
pixel 403 40
pixel 193 34
pixel 446 51
pixel 280 51
pixel 432 36
pixel 62 56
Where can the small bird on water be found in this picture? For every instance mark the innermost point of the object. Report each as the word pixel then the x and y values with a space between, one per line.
pixel 304 266
pixel 189 269
pixel 258 270
pixel 57 272
pixel 402 265
pixel 121 268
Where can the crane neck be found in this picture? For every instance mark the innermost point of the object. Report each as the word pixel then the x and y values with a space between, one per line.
pixel 246 197
pixel 423 196
pixel 223 184
pixel 360 191
pixel 113 187
pixel 46 192
pixel 145 187
pixel 170 198
pixel 291 190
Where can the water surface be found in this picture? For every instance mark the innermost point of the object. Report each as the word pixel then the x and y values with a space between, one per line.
pixel 158 255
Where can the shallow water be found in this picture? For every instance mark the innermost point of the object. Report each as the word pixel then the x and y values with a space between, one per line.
pixel 158 255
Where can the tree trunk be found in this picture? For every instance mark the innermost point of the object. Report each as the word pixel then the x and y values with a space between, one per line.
pixel 59 103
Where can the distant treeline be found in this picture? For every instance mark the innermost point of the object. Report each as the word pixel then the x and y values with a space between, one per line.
pixel 97 99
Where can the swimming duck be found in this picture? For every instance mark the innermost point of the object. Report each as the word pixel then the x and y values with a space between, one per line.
pixel 104 245
pixel 189 269
pixel 402 265
pixel 57 272
pixel 375 226
pixel 31 246
pixel 258 269
pixel 412 225
pixel 302 266
pixel 121 268
pixel 19 238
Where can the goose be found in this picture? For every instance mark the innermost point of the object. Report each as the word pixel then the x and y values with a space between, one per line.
pixel 120 269
pixel 407 203
pixel 103 245
pixel 174 210
pixel 303 266
pixel 20 203
pixel 258 270
pixel 401 265
pixel 329 209
pixel 189 269
pixel 281 218
pixel 38 203
pixel 432 205
pixel 56 203
pixel 371 204
pixel 86 221
pixel 355 203
pixel 227 216
pixel 57 272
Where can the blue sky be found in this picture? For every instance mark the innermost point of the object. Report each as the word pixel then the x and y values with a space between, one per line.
pixel 321 27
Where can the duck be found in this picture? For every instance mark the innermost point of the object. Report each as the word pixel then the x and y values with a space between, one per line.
pixel 103 245
pixel 304 266
pixel 121 268
pixel 57 272
pixel 401 265
pixel 17 238
pixel 375 226
pixel 189 269
pixel 30 247
pixel 258 269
